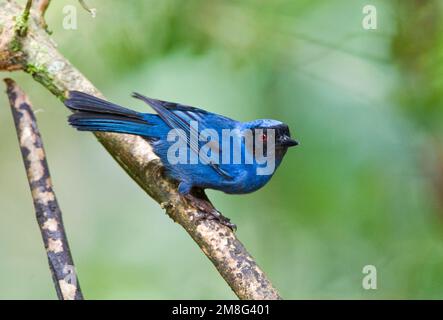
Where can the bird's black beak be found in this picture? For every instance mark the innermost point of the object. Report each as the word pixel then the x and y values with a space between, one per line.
pixel 287 142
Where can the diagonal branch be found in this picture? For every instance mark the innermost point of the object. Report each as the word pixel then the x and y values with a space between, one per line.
pixel 37 55
pixel 49 215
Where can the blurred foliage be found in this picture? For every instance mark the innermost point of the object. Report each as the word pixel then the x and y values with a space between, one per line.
pixel 418 49
pixel 365 105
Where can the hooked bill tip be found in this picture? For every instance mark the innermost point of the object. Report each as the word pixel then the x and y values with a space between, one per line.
pixel 289 142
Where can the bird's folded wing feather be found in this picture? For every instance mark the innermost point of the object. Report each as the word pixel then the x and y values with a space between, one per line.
pixel 178 116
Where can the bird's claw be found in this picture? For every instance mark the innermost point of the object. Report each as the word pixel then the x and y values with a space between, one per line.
pixel 207 212
pixel 215 215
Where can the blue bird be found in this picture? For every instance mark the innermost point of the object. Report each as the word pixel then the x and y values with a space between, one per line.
pixel 187 141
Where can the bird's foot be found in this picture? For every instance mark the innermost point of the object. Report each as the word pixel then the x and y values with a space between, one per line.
pixel 216 215
pixel 208 212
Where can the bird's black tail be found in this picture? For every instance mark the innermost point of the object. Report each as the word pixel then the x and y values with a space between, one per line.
pixel 95 114
pixel 80 101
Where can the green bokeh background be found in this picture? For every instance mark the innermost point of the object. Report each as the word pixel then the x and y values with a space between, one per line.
pixel 363 187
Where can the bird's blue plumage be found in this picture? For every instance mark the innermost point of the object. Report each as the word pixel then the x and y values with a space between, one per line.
pixel 94 114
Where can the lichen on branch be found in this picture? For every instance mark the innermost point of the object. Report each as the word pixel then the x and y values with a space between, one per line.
pixel 47 210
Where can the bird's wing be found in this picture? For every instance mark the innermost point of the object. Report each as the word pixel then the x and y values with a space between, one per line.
pixel 178 116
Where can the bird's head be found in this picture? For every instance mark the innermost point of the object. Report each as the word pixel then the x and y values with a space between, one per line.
pixel 271 140
pixel 264 128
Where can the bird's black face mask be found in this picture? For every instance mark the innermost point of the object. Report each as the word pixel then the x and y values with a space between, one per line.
pixel 282 136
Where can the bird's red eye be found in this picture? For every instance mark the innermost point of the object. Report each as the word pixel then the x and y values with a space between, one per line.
pixel 264 137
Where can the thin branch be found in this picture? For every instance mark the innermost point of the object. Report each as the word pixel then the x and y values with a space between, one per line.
pixel 92 11
pixel 22 20
pixel 40 7
pixel 49 215
pixel 39 57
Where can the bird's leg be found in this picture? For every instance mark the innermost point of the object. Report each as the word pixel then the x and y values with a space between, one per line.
pixel 206 210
